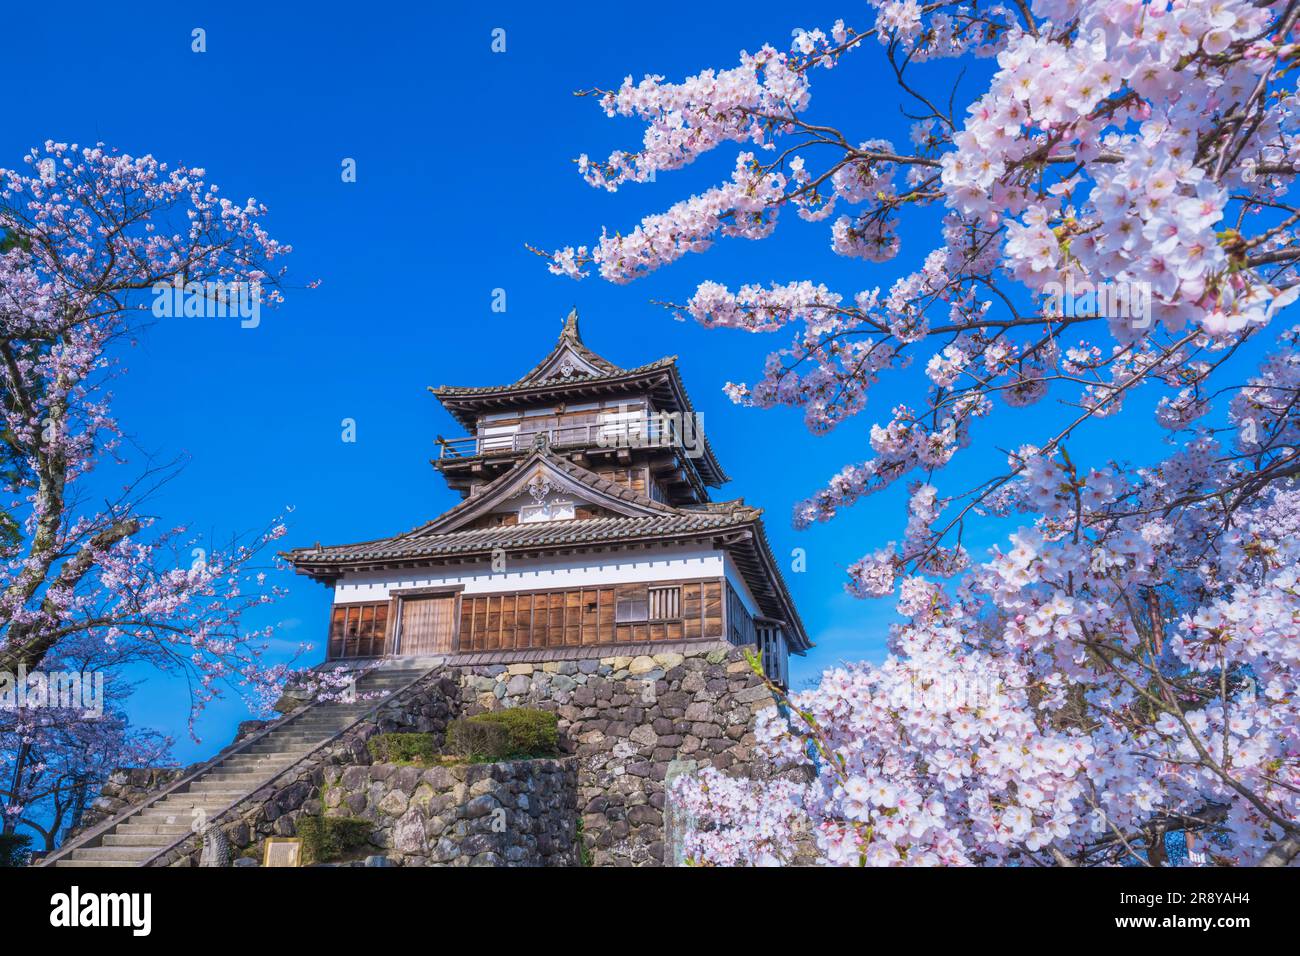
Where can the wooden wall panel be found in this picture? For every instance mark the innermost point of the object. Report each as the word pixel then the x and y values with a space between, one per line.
pixel 589 617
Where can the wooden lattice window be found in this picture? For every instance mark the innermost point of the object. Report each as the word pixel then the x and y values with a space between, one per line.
pixel 358 630
pixel 665 603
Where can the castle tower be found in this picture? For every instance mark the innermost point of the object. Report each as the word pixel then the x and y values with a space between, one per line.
pixel 586 527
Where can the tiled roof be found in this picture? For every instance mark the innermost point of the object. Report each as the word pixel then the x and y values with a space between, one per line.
pixel 467 391
pixel 534 535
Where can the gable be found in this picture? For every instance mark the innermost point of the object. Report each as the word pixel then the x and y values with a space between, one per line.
pixel 540 482
pixel 565 363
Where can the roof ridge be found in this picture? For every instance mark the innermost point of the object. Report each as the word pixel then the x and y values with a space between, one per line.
pixel 576 528
pixel 575 379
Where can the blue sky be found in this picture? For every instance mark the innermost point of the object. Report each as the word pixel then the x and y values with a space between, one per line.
pixel 462 156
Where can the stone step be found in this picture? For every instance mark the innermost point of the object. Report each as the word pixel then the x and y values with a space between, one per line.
pixel 241 771
pixel 292 737
pixel 166 818
pixel 244 770
pixel 239 768
pixel 226 783
pixel 206 794
pixel 68 861
pixel 296 749
pixel 378 695
pixel 168 831
pixel 178 814
pixel 129 854
pixel 287 755
pixel 155 840
pixel 305 734
pixel 207 798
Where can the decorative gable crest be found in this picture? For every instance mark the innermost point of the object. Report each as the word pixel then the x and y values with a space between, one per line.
pixel 539 487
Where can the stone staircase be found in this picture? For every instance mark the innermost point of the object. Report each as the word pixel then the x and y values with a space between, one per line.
pixel 155 826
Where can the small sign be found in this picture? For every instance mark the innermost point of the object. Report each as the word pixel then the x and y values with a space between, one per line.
pixel 282 851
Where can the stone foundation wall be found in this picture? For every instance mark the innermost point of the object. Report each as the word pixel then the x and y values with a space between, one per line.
pixel 629 722
pixel 519 813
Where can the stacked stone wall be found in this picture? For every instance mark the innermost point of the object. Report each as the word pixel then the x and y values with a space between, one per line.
pixel 631 722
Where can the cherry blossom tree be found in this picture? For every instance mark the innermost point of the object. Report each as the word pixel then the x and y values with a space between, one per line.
pixel 53 762
pixel 91 236
pixel 1127 664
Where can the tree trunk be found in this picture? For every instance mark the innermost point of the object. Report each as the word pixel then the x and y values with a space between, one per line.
pixel 1283 851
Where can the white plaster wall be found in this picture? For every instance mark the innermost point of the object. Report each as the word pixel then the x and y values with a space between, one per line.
pixel 624 567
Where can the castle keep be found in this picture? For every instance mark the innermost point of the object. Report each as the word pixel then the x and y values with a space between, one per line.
pixel 586 528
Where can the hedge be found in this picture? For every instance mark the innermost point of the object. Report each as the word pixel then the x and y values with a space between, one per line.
pixel 509 734
pixel 402 748
pixel 476 740
pixel 329 838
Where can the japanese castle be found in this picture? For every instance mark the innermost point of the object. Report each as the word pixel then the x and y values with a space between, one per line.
pixel 586 529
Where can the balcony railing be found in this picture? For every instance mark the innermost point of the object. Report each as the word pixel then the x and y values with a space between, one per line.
pixel 650 431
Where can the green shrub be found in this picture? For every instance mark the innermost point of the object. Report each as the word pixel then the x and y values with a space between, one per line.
pixel 533 733
pixel 330 838
pixel 15 849
pixel 528 733
pixel 476 740
pixel 402 748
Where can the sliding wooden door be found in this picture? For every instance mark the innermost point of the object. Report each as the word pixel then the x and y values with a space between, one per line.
pixel 428 625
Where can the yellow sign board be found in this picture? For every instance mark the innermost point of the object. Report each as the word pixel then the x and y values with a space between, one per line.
pixel 282 851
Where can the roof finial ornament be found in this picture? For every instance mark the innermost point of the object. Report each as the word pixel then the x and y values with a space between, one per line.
pixel 571 325
pixel 542 441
